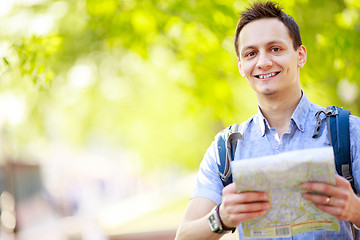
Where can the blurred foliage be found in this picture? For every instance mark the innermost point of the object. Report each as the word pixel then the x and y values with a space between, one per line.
pixel 157 77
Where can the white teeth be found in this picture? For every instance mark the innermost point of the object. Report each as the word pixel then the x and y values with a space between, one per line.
pixel 267 75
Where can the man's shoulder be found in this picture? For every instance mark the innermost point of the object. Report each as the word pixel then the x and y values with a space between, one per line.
pixel 354 124
pixel 354 118
pixel 245 125
pixel 313 107
pixel 242 126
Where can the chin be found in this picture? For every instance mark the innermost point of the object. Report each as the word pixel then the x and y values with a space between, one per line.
pixel 269 92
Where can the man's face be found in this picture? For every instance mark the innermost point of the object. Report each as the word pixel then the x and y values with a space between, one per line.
pixel 268 59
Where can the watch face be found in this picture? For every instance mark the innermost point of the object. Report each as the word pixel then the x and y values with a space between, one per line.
pixel 214 222
pixel 214 225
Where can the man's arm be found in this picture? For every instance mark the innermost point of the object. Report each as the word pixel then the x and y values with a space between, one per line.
pixel 195 224
pixel 235 208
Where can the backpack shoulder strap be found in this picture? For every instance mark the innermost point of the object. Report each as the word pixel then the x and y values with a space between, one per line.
pixel 338 128
pixel 337 121
pixel 226 142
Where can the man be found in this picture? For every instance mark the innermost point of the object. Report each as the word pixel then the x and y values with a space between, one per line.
pixel 270 55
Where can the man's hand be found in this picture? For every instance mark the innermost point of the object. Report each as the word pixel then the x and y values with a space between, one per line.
pixel 239 207
pixel 234 209
pixel 339 200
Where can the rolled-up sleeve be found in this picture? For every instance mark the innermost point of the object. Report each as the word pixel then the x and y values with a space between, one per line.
pixel 209 184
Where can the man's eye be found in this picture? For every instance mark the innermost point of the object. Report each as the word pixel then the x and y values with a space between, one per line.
pixel 249 54
pixel 275 49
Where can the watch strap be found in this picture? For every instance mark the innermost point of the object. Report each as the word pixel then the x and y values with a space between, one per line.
pixel 227 229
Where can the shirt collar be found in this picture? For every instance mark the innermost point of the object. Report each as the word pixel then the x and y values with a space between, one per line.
pixel 301 111
pixel 262 122
pixel 298 117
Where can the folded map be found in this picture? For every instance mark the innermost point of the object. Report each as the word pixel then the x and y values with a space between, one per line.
pixel 281 176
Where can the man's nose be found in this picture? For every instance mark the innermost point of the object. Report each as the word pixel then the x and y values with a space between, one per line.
pixel 264 60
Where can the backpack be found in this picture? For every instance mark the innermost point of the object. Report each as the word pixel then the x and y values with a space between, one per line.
pixel 338 127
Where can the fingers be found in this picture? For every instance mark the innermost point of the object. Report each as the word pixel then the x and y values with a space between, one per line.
pixel 323 200
pixel 324 195
pixel 230 195
pixel 245 201
pixel 234 220
pixel 341 181
pixel 231 188
pixel 332 205
pixel 233 216
pixel 239 207
pixel 246 197
pixel 337 200
pixel 341 188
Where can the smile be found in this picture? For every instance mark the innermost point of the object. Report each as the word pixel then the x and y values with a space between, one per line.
pixel 267 75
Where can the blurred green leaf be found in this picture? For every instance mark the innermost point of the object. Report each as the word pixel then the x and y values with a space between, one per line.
pixel 157 77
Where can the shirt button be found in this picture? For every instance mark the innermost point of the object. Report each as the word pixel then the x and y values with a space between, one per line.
pixel 277 147
pixel 301 127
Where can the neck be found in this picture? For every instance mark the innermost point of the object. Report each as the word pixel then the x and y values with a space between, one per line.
pixel 278 109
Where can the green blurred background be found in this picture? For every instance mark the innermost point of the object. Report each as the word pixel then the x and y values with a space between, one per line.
pixel 148 82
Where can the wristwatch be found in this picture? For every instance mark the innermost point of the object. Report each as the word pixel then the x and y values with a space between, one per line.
pixel 215 223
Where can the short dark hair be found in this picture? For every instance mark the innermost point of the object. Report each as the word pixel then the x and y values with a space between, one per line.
pixel 268 9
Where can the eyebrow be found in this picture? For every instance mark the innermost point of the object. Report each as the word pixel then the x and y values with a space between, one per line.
pixel 254 46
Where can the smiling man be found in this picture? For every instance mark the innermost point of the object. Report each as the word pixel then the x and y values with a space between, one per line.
pixel 270 55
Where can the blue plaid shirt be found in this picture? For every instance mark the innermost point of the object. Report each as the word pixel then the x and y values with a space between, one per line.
pixel 261 140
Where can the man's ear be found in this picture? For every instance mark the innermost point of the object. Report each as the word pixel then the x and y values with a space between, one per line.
pixel 302 56
pixel 240 69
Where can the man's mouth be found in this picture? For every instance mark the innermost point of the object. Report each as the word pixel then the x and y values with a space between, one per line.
pixel 263 76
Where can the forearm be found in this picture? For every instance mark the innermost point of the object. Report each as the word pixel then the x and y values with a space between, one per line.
pixel 196 230
pixel 356 209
